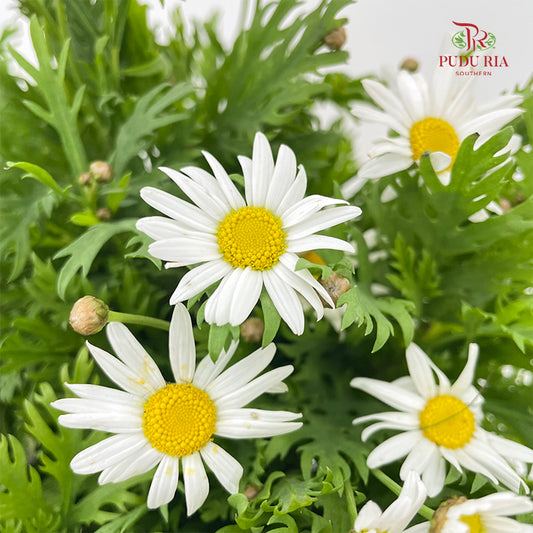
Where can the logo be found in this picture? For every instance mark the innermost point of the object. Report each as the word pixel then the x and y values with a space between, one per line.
pixel 472 38
pixel 474 57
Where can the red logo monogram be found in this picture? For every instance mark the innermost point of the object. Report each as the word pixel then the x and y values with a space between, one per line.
pixel 472 38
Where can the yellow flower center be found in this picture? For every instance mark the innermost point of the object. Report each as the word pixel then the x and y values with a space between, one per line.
pixel 473 521
pixel 447 421
pixel 251 237
pixel 179 419
pixel 433 135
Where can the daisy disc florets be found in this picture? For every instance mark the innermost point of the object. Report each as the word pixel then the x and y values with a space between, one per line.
pixel 165 425
pixel 249 243
pixel 440 422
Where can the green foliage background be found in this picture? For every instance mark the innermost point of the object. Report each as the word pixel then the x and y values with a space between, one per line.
pixel 103 89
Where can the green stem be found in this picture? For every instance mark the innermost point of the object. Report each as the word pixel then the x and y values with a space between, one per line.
pixel 424 511
pixel 350 501
pixel 141 320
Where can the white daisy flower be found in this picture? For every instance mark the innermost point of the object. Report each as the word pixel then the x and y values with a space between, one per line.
pixel 164 424
pixel 484 515
pixel 439 422
pixel 247 243
pixel 435 118
pixel 371 519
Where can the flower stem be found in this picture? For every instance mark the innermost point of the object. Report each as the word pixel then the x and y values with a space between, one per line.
pixel 424 511
pixel 350 500
pixel 141 320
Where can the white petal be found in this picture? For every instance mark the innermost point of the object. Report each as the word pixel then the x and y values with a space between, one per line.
pixel 464 381
pixel 367 516
pixel 199 278
pixel 243 428
pixel 419 457
pixel 242 372
pixel 371 114
pixel 248 414
pixel 185 213
pixel 100 406
pixel 318 242
pixel 181 346
pixel 164 482
pixel 244 395
pixel 119 373
pixel 500 524
pixel 132 354
pixel 440 161
pixel 295 193
pixel 388 101
pixel 162 228
pixel 413 93
pixel 420 371
pixel 306 208
pixel 392 395
pixel 207 200
pixel 392 449
pixel 108 452
pixel 384 165
pixel 285 300
pixel 227 469
pixel 112 421
pixel 233 197
pixel 510 449
pixel 262 169
pixel 282 178
pixel 434 474
pixel 324 220
pixel 185 250
pixel 97 392
pixel 490 123
pixel 144 461
pixel 196 482
pixel 207 371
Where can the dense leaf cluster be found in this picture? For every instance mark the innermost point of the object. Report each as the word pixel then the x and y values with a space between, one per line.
pixel 104 90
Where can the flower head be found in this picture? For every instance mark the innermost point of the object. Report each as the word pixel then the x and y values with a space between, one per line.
pixel 434 118
pixel 245 243
pixel 164 424
pixel 484 515
pixel 440 422
pixel 371 519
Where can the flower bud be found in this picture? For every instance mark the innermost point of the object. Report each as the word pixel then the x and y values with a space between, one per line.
pixel 410 64
pixel 101 171
pixel 88 315
pixel 252 329
pixel 336 38
pixel 84 178
pixel 103 214
pixel 335 285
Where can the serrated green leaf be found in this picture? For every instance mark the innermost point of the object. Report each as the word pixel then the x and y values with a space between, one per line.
pixel 271 318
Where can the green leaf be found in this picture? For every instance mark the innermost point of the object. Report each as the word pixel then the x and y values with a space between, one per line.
pixel 271 318
pixel 219 338
pixel 38 173
pixel 367 311
pixel 23 499
pixel 84 249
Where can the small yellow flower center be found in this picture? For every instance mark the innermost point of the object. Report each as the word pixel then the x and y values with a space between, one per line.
pixel 433 135
pixel 474 522
pixel 179 419
pixel 447 421
pixel 251 237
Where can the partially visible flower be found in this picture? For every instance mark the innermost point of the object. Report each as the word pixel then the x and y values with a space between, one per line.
pixel 439 422
pixel 101 171
pixel 252 329
pixel 245 244
pixel 167 424
pixel 484 515
pixel 336 38
pixel 88 315
pixel 434 118
pixel 371 519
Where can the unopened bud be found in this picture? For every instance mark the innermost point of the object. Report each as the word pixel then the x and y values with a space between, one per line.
pixel 84 179
pixel 505 204
pixel 88 315
pixel 439 518
pixel 410 64
pixel 336 38
pixel 101 171
pixel 252 329
pixel 103 214
pixel 335 285
pixel 251 491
